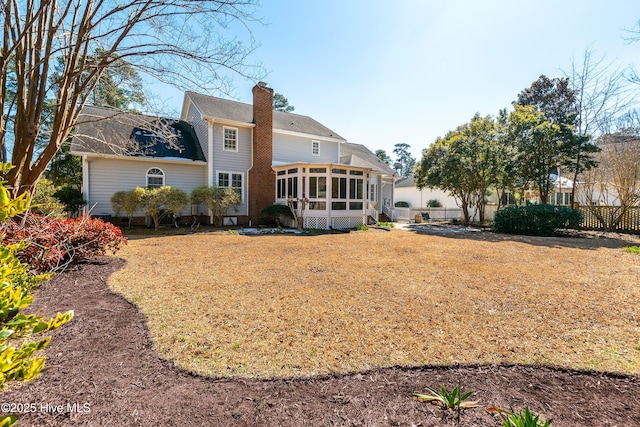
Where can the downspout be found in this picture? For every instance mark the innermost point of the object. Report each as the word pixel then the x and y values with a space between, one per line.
pixel 210 160
pixel 249 170
pixel 85 182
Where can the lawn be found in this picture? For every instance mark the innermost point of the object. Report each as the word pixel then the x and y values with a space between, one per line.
pixel 282 305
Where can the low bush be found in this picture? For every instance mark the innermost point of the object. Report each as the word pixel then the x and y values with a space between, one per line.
pixel 20 349
pixel 55 243
pixel 218 199
pixel 401 204
pixel 72 199
pixel 271 215
pixel 536 220
pixel 44 202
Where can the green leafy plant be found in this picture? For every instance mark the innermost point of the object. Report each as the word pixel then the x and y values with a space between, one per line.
pixel 163 201
pixel 434 203
pixel 8 421
pixel 218 199
pixel 43 201
pixel 453 401
pixel 234 232
pixel 271 214
pixel 633 250
pixel 536 220
pixel 71 198
pixel 362 227
pixel 19 352
pixel 401 204
pixel 385 224
pixel 519 419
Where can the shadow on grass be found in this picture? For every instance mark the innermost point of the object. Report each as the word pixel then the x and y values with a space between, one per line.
pixel 588 240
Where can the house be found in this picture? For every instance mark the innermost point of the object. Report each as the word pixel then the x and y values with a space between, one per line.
pixel 406 191
pixel 267 156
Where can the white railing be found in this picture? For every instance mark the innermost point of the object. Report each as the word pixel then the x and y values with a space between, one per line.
pixel 388 212
pixel 373 214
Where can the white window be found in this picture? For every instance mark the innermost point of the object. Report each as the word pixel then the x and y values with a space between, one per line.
pixel 372 191
pixel 230 139
pixel 231 180
pixel 315 148
pixel 155 178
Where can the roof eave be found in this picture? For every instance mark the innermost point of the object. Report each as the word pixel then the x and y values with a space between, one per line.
pixel 309 135
pixel 141 158
pixel 229 122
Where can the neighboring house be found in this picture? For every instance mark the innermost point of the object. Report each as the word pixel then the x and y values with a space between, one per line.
pixel 268 156
pixel 561 192
pixel 406 191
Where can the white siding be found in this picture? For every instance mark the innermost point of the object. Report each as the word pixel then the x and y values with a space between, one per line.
pixel 232 161
pixel 107 176
pixel 419 199
pixel 289 149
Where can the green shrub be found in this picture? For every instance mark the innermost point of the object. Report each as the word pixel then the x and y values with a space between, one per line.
pixel 156 202
pixel 164 201
pixel 218 199
pixel 72 199
pixel 117 202
pixel 362 227
pixel 633 250
pixel 401 204
pixel 19 352
pixel 43 201
pixel 271 215
pixel 519 419
pixel 434 203
pixel 384 224
pixel 536 220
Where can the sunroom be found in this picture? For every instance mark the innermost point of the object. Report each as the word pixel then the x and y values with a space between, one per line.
pixel 338 196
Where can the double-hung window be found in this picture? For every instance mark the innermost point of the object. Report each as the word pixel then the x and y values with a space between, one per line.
pixel 231 180
pixel 230 139
pixel 315 148
pixel 372 192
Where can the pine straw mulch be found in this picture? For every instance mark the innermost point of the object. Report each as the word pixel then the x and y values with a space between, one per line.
pixel 105 356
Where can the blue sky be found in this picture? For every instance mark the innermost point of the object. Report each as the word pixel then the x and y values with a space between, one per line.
pixel 383 72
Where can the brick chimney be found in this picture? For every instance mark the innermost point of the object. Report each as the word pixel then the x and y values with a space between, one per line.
pixel 262 180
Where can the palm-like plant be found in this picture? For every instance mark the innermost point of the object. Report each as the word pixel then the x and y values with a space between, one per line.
pixel 519 419
pixel 453 401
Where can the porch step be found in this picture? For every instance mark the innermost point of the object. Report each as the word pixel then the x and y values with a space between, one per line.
pixel 383 217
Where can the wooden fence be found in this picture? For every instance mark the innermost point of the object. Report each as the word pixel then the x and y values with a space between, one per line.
pixel 601 218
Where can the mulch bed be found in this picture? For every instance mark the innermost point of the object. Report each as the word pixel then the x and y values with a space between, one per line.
pixel 104 362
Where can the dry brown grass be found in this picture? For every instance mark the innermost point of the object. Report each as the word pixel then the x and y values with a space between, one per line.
pixel 230 305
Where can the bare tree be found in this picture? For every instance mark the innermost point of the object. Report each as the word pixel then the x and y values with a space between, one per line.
pixel 616 181
pixel 297 207
pixel 603 93
pixel 190 44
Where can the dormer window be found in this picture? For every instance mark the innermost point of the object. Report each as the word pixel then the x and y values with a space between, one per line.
pixel 315 148
pixel 230 139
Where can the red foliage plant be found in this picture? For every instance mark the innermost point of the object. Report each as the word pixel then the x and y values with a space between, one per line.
pixel 53 244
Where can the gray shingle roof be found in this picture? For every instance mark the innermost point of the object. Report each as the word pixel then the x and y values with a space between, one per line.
pixel 359 155
pixel 106 131
pixel 405 182
pixel 219 108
